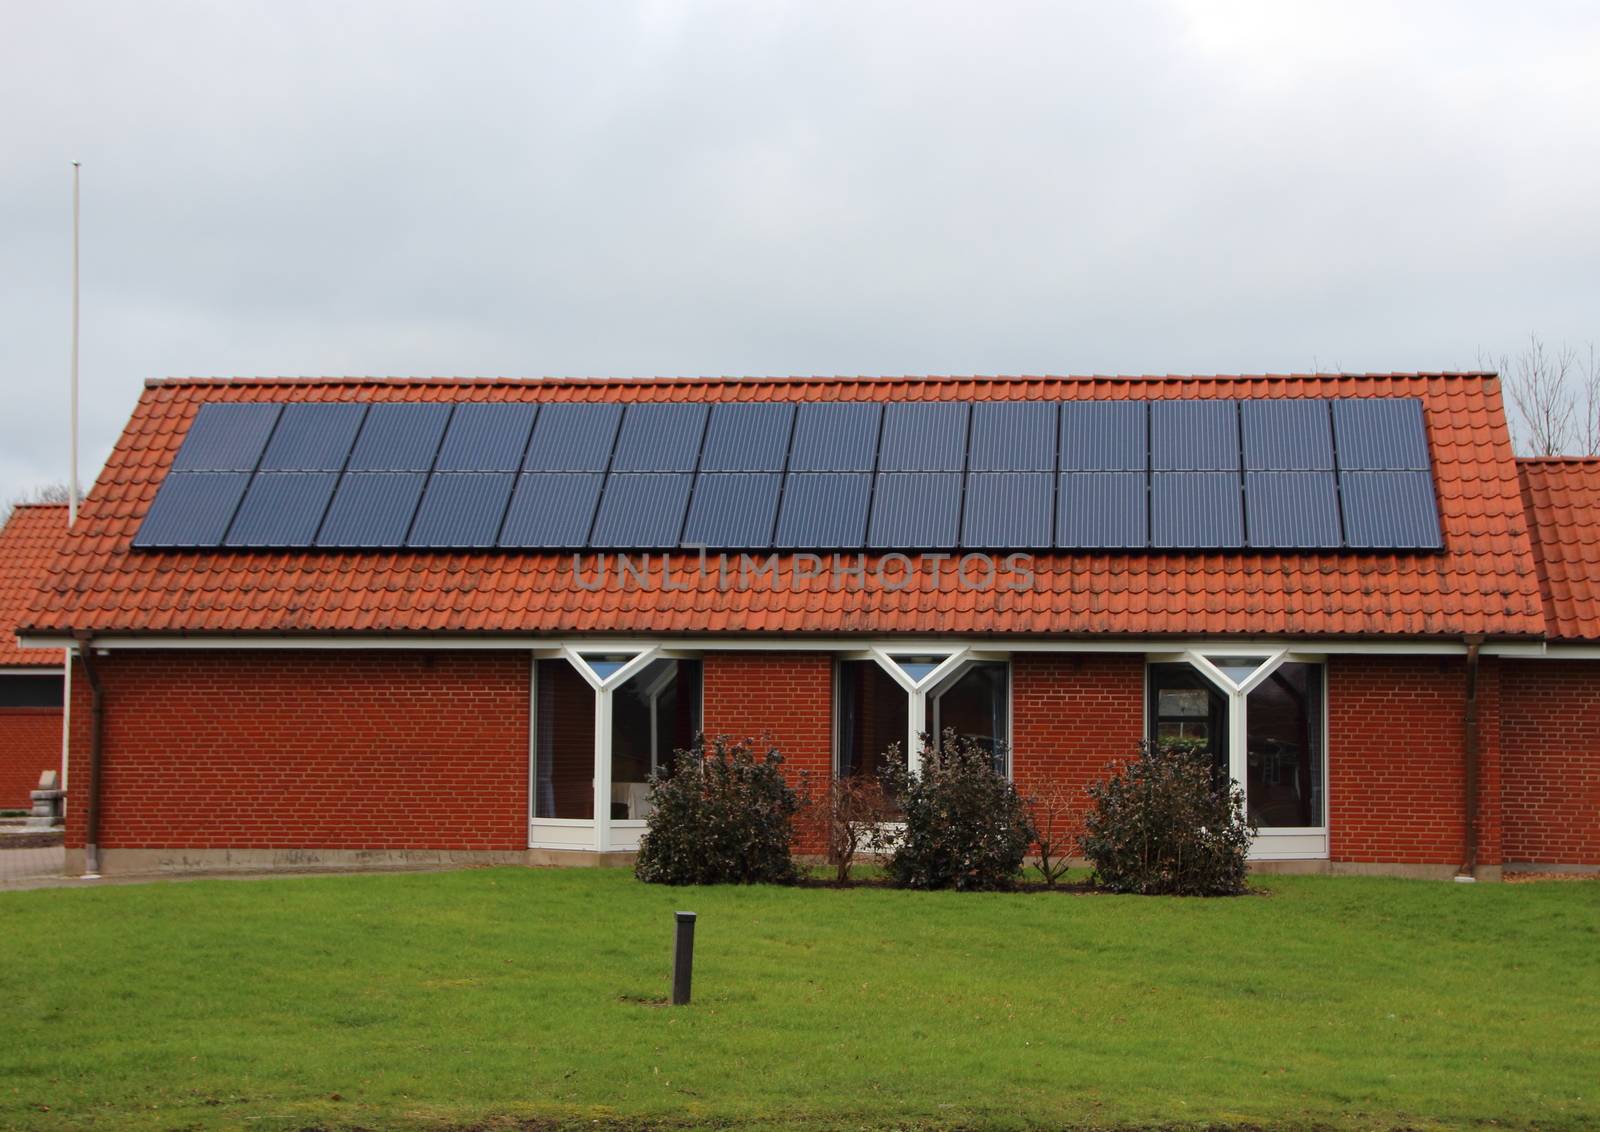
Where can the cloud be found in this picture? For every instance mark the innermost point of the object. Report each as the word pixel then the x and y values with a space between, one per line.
pixel 775 188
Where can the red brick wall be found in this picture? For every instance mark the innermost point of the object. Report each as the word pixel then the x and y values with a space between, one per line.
pixel 30 743
pixel 334 749
pixel 1396 769
pixel 789 695
pixel 1550 738
pixel 1071 714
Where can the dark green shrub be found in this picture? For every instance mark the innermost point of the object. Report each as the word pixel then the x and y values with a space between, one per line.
pixel 965 826
pixel 1161 824
pixel 725 815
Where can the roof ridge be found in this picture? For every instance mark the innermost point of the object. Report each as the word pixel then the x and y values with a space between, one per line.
pixel 1558 459
pixel 460 380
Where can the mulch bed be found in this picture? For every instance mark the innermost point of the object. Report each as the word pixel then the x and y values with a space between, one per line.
pixel 44 839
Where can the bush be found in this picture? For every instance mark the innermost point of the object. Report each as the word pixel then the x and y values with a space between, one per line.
pixel 724 815
pixel 855 811
pixel 965 825
pixel 1162 824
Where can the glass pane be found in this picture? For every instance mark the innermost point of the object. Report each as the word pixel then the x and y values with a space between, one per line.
pixel 564 744
pixel 1185 705
pixel 873 715
pixel 918 667
pixel 975 706
pixel 604 666
pixel 1238 668
pixel 1284 746
pixel 653 716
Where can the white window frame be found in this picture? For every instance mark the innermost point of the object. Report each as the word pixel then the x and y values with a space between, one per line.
pixel 1282 843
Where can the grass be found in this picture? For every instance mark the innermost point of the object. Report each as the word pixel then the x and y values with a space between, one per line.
pixel 440 1000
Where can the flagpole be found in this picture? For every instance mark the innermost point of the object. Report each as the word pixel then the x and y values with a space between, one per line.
pixel 72 479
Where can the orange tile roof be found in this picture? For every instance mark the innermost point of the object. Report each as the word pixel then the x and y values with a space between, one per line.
pixel 1562 496
pixel 29 541
pixel 1484 581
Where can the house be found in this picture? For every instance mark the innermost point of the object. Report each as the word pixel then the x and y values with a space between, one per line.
pixel 30 679
pixel 365 622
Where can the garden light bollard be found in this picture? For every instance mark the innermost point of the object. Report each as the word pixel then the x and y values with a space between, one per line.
pixel 683 959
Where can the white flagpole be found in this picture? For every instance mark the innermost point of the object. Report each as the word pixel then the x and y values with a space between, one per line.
pixel 72 479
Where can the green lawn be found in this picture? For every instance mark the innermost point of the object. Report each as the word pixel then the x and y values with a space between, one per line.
pixel 433 1000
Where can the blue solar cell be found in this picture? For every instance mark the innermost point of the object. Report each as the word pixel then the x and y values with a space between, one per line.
pixel 372 509
pixel 1200 510
pixel 192 509
pixel 1389 510
pixel 1007 509
pixel 1017 436
pixel 836 437
pixel 1288 510
pixel 313 438
pixel 1101 510
pixel 226 438
pixel 1286 436
pixel 1380 434
pixel 642 510
pixel 747 438
pixel 552 510
pixel 660 438
pixel 282 509
pixel 399 438
pixel 462 509
pixel 486 438
pixel 1194 436
pixel 824 510
pixel 915 510
pixel 573 437
pixel 733 509
pixel 927 436
pixel 1104 436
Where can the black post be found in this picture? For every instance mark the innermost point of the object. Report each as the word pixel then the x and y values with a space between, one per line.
pixel 683 959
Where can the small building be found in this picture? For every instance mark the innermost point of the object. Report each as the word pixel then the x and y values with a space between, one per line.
pixel 30 679
pixel 365 622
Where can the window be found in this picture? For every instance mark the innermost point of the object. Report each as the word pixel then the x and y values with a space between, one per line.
pixel 976 704
pixel 564 743
pixel 1185 705
pixel 872 715
pixel 29 691
pixel 1283 744
pixel 653 716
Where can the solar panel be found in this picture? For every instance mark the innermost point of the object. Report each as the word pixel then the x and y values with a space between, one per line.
pixel 552 510
pixel 399 438
pixel 733 509
pixel 372 510
pixel 1290 510
pixel 1284 436
pixel 462 509
pixel 660 438
pixel 929 436
pixel 192 509
pixel 838 437
pixel 1002 510
pixel 1104 436
pixel 915 510
pixel 747 438
pixel 1198 510
pixel 642 510
pixel 573 437
pixel 486 438
pixel 1101 510
pixel 1014 437
pixel 824 511
pixel 313 438
pixel 1381 434
pixel 1200 436
pixel 1389 510
pixel 282 509
pixel 226 438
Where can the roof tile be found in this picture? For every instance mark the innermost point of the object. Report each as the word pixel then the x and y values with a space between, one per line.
pixel 29 541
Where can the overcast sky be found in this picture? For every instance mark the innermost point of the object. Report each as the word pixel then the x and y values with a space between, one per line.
pixel 685 188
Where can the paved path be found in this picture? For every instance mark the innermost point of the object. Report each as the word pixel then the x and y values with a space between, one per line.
pixel 26 867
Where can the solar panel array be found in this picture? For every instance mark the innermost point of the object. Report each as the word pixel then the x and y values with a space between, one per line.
pixel 1094 475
